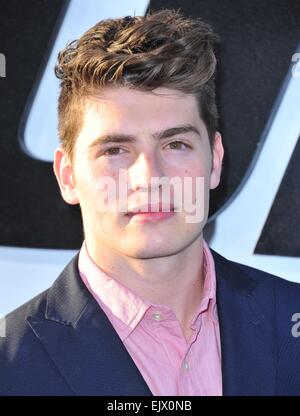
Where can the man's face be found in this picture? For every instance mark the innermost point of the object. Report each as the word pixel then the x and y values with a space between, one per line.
pixel 151 151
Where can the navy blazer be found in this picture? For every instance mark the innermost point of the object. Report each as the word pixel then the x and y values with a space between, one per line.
pixel 61 342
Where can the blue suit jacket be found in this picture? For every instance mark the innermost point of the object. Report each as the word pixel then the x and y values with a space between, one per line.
pixel 61 342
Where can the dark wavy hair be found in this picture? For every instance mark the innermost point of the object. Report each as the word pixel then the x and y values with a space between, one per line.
pixel 162 49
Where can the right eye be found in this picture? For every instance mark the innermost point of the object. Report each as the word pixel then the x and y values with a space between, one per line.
pixel 112 151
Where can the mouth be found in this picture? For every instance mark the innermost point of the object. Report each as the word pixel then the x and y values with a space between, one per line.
pixel 151 209
pixel 151 214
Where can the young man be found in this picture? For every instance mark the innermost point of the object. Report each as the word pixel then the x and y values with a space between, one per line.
pixel 146 307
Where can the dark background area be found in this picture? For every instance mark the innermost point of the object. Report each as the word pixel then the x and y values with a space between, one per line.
pixel 258 39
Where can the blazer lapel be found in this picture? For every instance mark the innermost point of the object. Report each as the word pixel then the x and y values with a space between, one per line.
pixel 247 331
pixel 83 344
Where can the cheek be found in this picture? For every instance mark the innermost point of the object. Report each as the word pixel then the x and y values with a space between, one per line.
pixel 196 195
pixel 198 168
pixel 109 191
pixel 97 175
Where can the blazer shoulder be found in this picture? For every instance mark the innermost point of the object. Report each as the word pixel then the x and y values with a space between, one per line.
pixel 16 323
pixel 281 286
pixel 279 282
pixel 26 367
pixel 269 288
pixel 15 326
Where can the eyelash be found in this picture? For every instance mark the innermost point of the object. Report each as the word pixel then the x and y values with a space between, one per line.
pixel 116 147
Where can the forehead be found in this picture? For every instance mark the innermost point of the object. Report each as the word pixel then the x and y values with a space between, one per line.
pixel 117 110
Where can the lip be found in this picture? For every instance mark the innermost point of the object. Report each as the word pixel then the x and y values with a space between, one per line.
pixel 151 209
pixel 150 217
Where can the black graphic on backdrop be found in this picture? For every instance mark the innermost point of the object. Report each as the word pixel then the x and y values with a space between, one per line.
pixel 258 39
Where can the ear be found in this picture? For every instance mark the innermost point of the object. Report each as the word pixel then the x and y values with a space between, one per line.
pixel 217 158
pixel 63 171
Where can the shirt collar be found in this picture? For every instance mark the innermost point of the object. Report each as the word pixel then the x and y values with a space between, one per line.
pixel 124 308
pixel 208 300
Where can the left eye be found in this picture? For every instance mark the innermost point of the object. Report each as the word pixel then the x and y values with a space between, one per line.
pixel 177 145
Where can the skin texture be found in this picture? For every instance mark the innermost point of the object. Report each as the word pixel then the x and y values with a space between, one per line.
pixel 162 261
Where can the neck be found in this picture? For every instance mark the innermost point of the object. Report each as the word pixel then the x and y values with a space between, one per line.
pixel 175 281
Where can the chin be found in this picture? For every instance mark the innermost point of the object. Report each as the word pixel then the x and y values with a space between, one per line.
pixel 153 249
pixel 151 254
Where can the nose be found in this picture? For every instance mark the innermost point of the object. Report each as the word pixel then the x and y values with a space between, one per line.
pixel 140 173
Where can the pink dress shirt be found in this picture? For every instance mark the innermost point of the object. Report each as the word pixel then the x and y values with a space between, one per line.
pixel 170 365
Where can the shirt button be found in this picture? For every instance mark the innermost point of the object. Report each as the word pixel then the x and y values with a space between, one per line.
pixel 157 316
pixel 186 366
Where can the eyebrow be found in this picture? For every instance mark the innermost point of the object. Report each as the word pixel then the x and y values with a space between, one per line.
pixel 127 138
